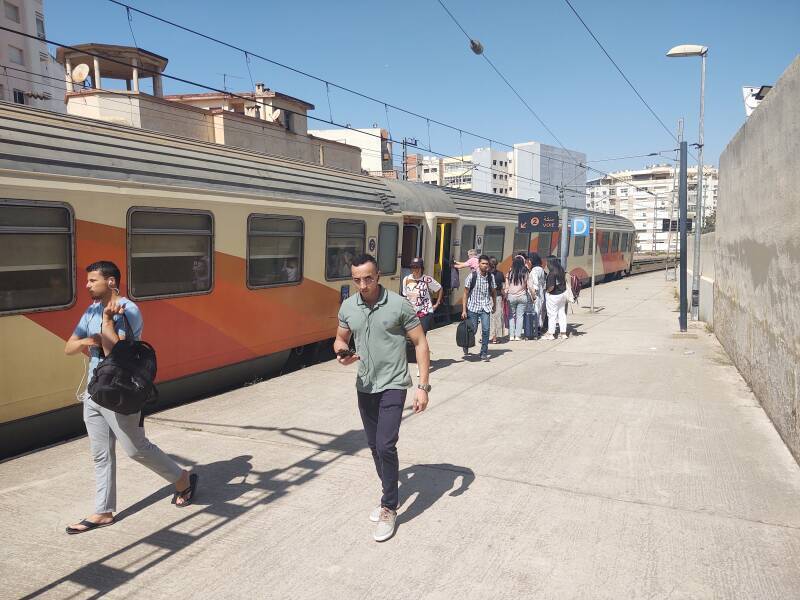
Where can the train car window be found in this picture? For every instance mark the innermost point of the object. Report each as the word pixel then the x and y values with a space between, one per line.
pixel 605 238
pixel 170 252
pixel 624 243
pixel 36 256
pixel 274 250
pixel 580 245
pixel 631 238
pixel 615 242
pixel 467 241
pixel 493 242
pixel 345 241
pixel 591 243
pixel 388 234
pixel 522 242
pixel 543 248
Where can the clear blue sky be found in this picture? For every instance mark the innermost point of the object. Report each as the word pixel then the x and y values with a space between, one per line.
pixel 412 55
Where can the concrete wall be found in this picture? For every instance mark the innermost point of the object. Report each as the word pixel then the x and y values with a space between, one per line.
pixel 756 300
pixel 707 274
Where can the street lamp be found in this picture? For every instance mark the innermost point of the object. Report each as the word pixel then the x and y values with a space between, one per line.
pixel 702 52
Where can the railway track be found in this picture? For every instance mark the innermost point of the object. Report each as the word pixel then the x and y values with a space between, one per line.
pixel 650 263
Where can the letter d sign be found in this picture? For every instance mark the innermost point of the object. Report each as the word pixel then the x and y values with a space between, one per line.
pixel 580 227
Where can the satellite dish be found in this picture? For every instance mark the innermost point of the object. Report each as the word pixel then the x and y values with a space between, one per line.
pixel 80 73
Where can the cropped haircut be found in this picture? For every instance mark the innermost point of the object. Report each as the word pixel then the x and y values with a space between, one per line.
pixel 363 259
pixel 106 268
pixel 483 257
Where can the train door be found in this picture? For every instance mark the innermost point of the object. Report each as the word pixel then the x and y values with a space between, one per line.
pixel 441 267
pixel 412 245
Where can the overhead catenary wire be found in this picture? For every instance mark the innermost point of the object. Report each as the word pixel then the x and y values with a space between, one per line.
pixel 345 88
pixel 621 72
pixel 214 89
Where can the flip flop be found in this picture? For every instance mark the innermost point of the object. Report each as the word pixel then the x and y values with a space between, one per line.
pixel 189 491
pixel 88 527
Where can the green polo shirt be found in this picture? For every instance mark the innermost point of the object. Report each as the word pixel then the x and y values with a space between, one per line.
pixel 380 333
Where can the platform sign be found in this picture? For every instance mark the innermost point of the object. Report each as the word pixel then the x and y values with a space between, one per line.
pixel 541 221
pixel 580 227
pixel 672 225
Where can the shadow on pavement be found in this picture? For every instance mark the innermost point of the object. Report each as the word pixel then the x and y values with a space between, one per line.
pixel 426 484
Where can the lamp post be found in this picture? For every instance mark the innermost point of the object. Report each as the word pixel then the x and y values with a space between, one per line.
pixel 702 52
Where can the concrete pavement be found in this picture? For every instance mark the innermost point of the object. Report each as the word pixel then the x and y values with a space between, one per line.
pixel 622 463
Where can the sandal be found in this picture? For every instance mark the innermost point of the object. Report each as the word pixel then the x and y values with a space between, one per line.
pixel 88 526
pixel 186 495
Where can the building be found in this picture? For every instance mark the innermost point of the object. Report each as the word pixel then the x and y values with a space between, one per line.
pixel 30 74
pixel 376 147
pixel 648 197
pixel 262 121
pixel 531 171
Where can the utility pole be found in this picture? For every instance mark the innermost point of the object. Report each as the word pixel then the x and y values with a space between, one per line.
pixel 682 185
pixel 407 142
pixel 672 211
pixel 698 213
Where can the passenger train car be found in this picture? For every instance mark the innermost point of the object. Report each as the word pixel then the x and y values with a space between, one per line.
pixel 237 260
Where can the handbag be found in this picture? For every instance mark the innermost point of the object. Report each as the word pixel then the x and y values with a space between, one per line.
pixel 123 380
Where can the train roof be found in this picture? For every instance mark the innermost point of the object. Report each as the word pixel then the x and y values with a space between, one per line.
pixel 45 142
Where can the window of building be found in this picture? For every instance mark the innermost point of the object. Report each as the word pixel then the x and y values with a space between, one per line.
pixel 345 241
pixel 274 250
pixel 494 175
pixel 580 244
pixel 170 252
pixel 44 57
pixel 19 96
pixel 615 242
pixel 494 162
pixel 36 256
pixel 12 11
pixel 388 234
pixel 2 92
pixel 494 190
pixel 493 238
pixel 40 26
pixel 426 170
pixel 467 241
pixel 16 55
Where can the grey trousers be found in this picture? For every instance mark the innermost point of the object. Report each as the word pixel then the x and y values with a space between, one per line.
pixel 104 428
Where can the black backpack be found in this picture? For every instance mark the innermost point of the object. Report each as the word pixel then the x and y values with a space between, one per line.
pixel 465 335
pixel 123 380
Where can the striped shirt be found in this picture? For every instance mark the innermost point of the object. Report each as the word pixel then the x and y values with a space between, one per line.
pixel 480 300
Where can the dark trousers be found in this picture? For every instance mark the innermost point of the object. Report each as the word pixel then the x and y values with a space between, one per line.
pixel 381 414
pixel 483 317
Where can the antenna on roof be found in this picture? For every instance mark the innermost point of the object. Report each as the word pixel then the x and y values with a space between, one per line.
pixel 225 77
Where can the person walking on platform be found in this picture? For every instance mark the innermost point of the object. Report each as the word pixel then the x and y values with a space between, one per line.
pixel 537 280
pixel 380 320
pixel 496 327
pixel 479 301
pixel 556 299
pixel 518 298
pixel 418 289
pixel 101 326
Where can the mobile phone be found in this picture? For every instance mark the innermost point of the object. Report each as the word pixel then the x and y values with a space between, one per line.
pixel 345 353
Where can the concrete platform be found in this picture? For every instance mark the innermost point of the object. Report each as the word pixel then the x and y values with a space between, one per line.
pixel 622 463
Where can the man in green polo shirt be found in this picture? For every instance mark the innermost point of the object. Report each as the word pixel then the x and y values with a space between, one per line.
pixel 380 321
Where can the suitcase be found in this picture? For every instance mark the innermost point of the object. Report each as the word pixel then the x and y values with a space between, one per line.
pixel 465 335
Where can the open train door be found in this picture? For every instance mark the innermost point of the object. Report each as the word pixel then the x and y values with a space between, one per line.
pixel 412 244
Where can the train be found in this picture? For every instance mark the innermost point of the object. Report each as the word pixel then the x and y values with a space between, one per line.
pixel 237 260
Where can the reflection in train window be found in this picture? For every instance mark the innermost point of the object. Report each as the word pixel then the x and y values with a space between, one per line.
pixel 493 238
pixel 274 250
pixel 170 252
pixel 615 242
pixel 387 248
pixel 345 241
pixel 36 242
pixel 467 241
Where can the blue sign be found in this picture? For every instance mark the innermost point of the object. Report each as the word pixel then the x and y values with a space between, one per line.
pixel 580 226
pixel 344 293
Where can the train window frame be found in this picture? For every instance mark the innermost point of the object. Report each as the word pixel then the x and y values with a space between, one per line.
pixel 464 246
pixel 579 248
pixel 301 258
pixel 71 246
pixel 396 228
pixel 502 229
pixel 590 239
pixel 615 241
pixel 129 234
pixel 604 247
pixel 328 224
pixel 623 241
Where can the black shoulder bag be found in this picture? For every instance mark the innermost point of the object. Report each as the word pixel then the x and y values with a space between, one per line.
pixel 123 380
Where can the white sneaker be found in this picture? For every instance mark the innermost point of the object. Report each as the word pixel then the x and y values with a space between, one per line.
pixel 386 522
pixel 375 515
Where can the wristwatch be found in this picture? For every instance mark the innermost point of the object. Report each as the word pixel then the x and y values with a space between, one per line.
pixel 427 387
